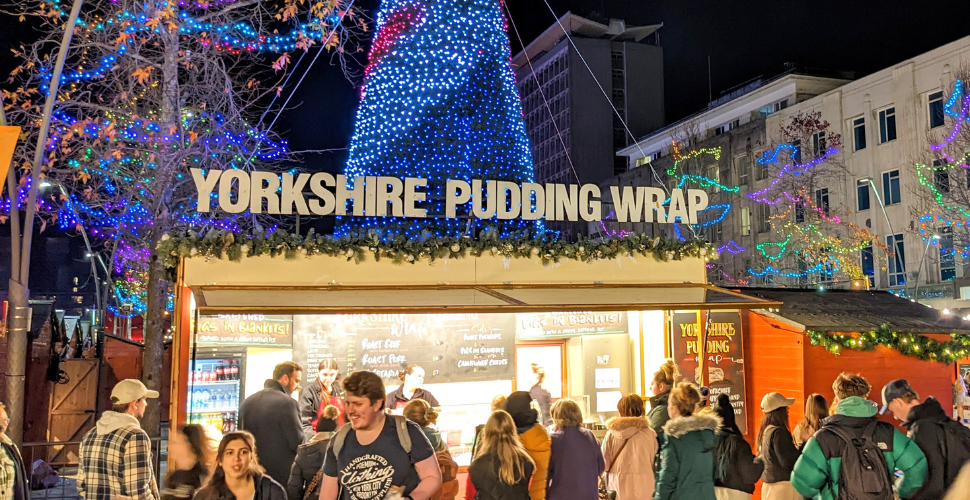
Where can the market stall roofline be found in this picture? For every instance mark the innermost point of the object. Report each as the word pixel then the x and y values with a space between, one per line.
pixel 479 298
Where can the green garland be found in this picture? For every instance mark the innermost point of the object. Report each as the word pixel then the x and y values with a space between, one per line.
pixel 908 344
pixel 227 245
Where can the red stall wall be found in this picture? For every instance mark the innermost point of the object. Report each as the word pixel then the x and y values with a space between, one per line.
pixel 773 363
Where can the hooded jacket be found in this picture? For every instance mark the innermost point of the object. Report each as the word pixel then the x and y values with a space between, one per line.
pixel 115 460
pixel 629 452
pixel 735 467
pixel 816 473
pixel 658 412
pixel 925 423
pixel 273 418
pixel 534 438
pixel 687 470
pixel 309 461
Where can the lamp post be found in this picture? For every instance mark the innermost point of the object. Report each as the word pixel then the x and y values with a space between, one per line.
pixel 919 270
pixel 883 207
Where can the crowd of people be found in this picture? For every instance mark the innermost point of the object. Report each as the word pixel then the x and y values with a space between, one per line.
pixel 681 449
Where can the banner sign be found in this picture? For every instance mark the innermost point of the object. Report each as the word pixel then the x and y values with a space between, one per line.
pixel 724 350
pixel 537 326
pixel 245 329
pixel 237 191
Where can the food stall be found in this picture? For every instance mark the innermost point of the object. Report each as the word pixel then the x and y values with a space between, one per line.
pixel 475 321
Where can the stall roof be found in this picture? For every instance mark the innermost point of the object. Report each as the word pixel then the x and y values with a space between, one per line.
pixel 857 311
pixel 228 299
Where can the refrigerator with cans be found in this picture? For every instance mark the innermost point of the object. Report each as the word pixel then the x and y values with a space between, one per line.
pixel 215 388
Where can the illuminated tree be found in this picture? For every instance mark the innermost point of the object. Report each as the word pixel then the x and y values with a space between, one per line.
pixel 439 102
pixel 150 89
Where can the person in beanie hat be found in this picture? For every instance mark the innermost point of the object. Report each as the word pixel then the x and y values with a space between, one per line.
pixel 534 439
pixel 735 469
pixel 307 470
pixel 115 457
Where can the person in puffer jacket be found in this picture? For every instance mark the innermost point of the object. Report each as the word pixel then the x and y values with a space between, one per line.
pixel 534 439
pixel 305 474
pixel 687 448
pixel 735 469
pixel 630 451
pixel 816 473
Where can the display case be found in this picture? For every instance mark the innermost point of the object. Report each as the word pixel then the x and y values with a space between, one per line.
pixel 215 382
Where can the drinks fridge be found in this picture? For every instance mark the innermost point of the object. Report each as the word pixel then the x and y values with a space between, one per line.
pixel 215 384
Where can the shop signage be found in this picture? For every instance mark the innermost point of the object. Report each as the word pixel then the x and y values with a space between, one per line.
pixel 724 351
pixel 245 329
pixel 535 326
pixel 450 347
pixel 236 191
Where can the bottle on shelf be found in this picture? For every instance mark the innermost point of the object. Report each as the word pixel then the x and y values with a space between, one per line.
pixel 234 369
pixel 220 371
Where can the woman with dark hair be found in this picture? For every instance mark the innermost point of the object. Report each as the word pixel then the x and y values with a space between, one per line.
pixel 503 469
pixel 328 391
pixel 735 469
pixel 306 472
pixel 816 410
pixel 776 449
pixel 630 451
pixel 412 378
pixel 238 475
pixel 539 393
pixel 687 449
pixel 188 452
pixel 663 381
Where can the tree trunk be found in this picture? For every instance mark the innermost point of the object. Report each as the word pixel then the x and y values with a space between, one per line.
pixel 154 331
pixel 17 358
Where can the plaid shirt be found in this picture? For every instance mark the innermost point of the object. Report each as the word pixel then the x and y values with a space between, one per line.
pixel 116 464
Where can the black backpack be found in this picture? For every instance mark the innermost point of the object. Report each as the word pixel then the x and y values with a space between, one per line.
pixel 956 449
pixel 864 473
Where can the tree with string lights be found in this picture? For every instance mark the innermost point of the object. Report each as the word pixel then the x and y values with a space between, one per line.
pixel 149 90
pixel 440 102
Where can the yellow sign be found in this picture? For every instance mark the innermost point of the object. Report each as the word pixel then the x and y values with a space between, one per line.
pixel 8 142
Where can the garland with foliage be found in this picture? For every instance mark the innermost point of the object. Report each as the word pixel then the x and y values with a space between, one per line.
pixel 907 344
pixel 227 245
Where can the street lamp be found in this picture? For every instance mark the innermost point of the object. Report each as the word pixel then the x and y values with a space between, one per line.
pixel 919 270
pixel 884 213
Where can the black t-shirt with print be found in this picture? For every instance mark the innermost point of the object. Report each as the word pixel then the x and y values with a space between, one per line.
pixel 368 472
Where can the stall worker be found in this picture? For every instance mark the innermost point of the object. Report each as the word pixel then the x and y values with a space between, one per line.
pixel 314 398
pixel 412 379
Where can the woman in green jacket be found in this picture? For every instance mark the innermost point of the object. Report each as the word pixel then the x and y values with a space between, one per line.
pixel 687 454
pixel 660 386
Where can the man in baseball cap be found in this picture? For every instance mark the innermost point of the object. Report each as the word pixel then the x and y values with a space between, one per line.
pixel 116 455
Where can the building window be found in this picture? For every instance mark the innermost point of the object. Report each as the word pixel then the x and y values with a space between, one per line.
pixel 897 260
pixel 859 133
pixel 741 165
pixel 890 187
pixel 887 125
pixel 862 193
pixel 818 144
pixel 799 213
pixel 822 200
pixel 941 176
pixel 764 218
pixel 948 265
pixel 714 174
pixel 727 127
pixel 761 169
pixel 643 161
pixel 796 153
pixel 745 221
pixel 773 108
pixel 869 265
pixel 936 109
pixel 655 156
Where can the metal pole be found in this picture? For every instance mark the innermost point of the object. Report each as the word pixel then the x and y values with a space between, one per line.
pixel 919 270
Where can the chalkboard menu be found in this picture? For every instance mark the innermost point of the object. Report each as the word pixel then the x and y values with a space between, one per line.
pixel 450 347
pixel 724 350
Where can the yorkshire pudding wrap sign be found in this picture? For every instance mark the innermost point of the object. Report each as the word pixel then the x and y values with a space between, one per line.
pixel 236 191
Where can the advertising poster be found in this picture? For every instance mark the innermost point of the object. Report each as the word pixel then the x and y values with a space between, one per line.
pixel 245 330
pixel 723 351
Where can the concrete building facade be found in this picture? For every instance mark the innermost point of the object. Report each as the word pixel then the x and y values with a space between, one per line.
pixel 570 87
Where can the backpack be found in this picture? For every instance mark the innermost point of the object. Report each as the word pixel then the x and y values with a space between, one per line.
pixel 956 449
pixel 449 476
pixel 864 473
pixel 400 424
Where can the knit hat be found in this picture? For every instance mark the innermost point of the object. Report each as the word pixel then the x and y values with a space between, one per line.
pixel 328 419
pixel 519 405
pixel 724 410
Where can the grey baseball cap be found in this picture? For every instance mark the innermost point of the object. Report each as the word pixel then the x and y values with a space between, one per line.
pixel 895 389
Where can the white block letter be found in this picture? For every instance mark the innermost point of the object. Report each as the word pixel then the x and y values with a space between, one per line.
pixel 204 185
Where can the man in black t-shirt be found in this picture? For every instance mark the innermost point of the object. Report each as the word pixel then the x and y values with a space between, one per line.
pixel 377 451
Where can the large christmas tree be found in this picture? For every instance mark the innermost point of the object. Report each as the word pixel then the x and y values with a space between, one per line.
pixel 439 102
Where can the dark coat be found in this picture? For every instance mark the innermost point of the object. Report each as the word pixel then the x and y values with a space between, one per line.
pixel 273 418
pixel 266 489
pixel 310 406
pixel 925 423
pixel 484 475
pixel 658 413
pixel 309 460
pixel 574 466
pixel 21 480
pixel 778 454
pixel 687 453
pixel 734 465
pixel 398 395
pixel 182 484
